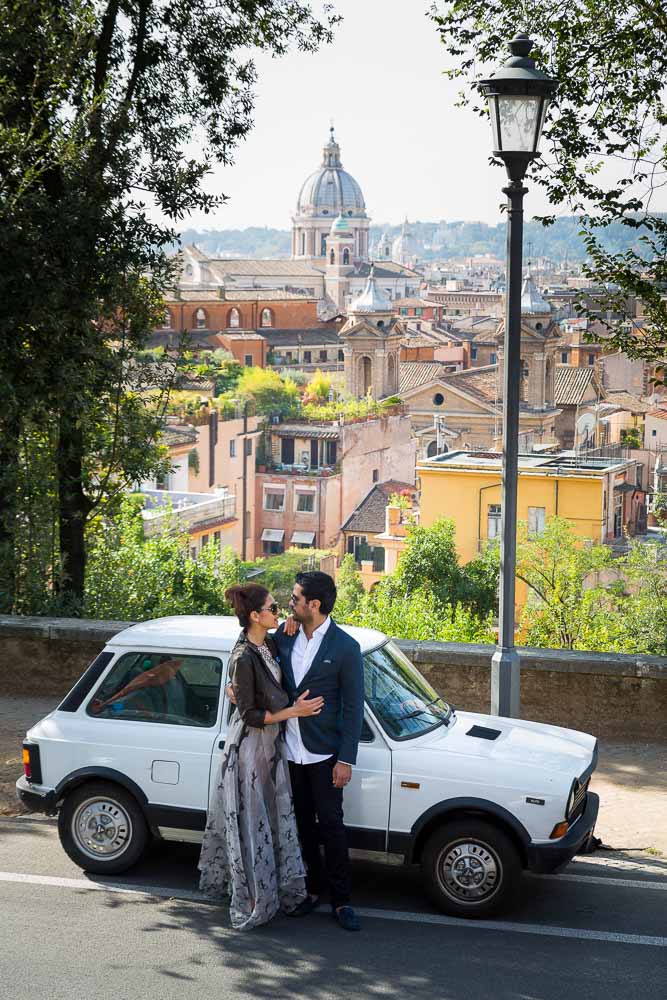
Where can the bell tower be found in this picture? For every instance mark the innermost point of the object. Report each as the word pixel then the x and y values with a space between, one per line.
pixel 372 344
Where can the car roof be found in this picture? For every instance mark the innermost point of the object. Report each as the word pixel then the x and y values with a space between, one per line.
pixel 218 632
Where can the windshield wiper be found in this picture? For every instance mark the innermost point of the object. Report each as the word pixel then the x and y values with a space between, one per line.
pixel 420 711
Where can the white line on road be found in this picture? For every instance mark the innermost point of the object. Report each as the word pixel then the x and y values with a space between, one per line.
pixel 601 880
pixel 544 930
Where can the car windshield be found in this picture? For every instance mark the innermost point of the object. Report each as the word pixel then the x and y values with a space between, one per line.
pixel 401 700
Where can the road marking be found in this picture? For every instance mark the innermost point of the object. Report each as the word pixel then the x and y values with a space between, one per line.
pixel 600 880
pixel 544 930
pixel 623 864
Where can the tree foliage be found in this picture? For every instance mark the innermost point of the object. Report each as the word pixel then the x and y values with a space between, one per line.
pixel 604 140
pixel 108 111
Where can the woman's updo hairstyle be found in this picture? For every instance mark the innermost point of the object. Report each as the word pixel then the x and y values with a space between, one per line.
pixel 246 598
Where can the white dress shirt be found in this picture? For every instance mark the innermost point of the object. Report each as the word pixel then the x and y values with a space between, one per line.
pixel 304 652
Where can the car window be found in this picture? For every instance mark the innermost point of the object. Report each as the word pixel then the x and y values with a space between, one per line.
pixel 403 702
pixel 160 687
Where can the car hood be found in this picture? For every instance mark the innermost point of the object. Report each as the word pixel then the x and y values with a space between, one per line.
pixel 520 744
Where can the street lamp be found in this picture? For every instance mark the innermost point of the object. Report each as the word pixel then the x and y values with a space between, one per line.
pixel 518 95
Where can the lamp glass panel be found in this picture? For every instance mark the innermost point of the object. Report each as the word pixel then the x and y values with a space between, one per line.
pixel 519 123
pixel 543 115
pixel 493 115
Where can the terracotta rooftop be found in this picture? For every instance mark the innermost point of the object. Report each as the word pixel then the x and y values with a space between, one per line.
pixel 416 373
pixel 627 401
pixel 370 514
pixel 572 383
pixel 477 382
pixel 660 413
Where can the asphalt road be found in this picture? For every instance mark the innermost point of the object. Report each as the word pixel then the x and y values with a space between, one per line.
pixel 596 932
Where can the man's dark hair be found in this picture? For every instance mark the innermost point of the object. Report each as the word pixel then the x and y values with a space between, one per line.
pixel 320 587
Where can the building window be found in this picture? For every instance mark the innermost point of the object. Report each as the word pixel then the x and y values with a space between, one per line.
pixel 438 399
pixel 287 451
pixel 166 323
pixel 266 318
pixel 303 244
pixel 232 448
pixel 323 245
pixel 493 521
pixel 332 257
pixel 248 446
pixel 376 475
pixel 248 360
pixel 274 499
pixel 654 433
pixel 323 355
pixel 591 359
pixel 204 541
pixel 493 358
pixel 536 519
pixel 216 538
pixel 200 319
pixel 346 256
pixel 418 311
pixel 341 356
pixel 473 354
pixel 307 357
pixel 234 319
pixel 330 452
pixel 563 357
pixel 272 548
pixel 403 311
pixel 305 502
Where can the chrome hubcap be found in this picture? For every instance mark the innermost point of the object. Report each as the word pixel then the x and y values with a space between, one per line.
pixel 101 828
pixel 469 872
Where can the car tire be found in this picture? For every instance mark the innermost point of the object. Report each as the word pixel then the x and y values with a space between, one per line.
pixel 102 828
pixel 470 868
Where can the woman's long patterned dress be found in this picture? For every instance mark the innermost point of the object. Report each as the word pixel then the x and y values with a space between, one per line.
pixel 251 846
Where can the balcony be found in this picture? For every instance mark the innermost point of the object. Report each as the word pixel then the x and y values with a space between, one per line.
pixel 282 469
pixel 186 511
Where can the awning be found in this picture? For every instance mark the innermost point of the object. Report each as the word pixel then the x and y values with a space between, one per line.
pixel 272 535
pixel 303 538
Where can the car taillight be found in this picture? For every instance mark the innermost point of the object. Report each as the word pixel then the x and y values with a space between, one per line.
pixel 32 766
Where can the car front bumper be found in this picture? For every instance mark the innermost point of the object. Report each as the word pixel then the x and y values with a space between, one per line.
pixel 36 798
pixel 545 858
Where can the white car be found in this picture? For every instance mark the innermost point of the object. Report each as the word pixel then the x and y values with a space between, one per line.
pixel 133 750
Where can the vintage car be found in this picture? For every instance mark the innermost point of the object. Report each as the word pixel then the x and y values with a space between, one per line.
pixel 132 753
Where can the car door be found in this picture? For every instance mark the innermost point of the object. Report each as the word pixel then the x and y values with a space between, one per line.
pixel 155 718
pixel 366 799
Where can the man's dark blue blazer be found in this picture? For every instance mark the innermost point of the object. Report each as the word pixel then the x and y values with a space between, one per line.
pixel 337 675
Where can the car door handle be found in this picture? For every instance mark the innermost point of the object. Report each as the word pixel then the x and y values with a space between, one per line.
pixel 221 745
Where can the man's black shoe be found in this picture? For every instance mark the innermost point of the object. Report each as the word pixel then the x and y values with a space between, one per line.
pixel 347 918
pixel 305 907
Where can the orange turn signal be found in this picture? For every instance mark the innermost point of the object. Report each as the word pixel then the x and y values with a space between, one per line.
pixel 26 762
pixel 559 830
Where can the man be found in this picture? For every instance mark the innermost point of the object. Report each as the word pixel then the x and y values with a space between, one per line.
pixel 322 749
pixel 321 659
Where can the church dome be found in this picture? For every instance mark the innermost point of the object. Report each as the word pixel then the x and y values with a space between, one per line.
pixel 371 300
pixel 340 227
pixel 331 190
pixel 533 302
pixel 405 247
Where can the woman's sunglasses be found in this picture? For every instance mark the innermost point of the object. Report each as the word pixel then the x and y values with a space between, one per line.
pixel 273 608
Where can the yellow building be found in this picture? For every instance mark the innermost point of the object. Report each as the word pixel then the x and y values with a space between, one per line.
pixel 602 497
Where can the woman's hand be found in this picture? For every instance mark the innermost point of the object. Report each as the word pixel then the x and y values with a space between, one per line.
pixel 291 626
pixel 304 706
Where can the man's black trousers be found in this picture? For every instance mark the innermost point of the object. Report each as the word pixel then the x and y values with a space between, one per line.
pixel 319 816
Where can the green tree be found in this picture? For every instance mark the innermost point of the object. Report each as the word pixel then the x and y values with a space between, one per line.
pixel 350 589
pixel 269 392
pixel 319 387
pixel 101 108
pixel 430 559
pixel 133 578
pixel 557 567
pixel 611 64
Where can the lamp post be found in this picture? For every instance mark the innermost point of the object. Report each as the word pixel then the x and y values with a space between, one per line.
pixel 518 95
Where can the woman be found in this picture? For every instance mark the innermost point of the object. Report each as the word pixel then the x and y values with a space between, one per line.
pixel 251 847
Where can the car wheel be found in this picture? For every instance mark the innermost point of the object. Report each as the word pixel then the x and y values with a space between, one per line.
pixel 102 828
pixel 471 868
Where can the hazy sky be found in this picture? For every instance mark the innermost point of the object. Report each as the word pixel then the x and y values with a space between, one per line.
pixel 401 137
pixel 412 151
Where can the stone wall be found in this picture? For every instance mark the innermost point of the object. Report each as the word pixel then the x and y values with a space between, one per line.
pixel 608 694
